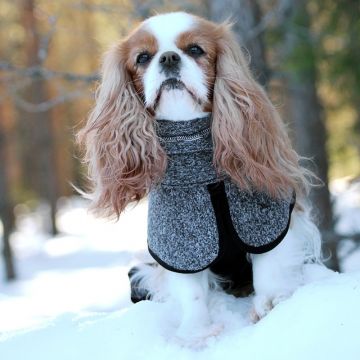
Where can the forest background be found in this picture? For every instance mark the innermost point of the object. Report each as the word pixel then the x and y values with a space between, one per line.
pixel 305 52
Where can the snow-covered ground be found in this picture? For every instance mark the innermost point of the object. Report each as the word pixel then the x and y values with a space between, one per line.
pixel 82 269
pixel 72 298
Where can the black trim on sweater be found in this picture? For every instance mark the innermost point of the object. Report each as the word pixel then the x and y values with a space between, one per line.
pixel 223 218
pixel 168 267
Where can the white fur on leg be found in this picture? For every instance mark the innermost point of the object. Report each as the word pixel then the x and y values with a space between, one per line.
pixel 279 272
pixel 191 291
pixel 151 277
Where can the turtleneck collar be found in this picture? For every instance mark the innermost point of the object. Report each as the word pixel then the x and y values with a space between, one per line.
pixel 169 128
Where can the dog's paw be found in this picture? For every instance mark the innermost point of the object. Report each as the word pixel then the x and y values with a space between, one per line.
pixel 197 339
pixel 263 304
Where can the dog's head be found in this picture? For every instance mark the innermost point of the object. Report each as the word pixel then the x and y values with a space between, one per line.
pixel 170 57
pixel 178 66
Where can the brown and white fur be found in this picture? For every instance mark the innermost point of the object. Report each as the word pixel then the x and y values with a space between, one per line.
pixel 250 144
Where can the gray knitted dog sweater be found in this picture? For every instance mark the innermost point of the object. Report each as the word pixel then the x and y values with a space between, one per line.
pixel 195 214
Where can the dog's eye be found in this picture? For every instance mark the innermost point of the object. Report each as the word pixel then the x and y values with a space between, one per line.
pixel 143 58
pixel 195 50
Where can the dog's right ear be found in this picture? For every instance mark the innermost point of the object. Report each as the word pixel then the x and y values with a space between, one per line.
pixel 251 143
pixel 121 148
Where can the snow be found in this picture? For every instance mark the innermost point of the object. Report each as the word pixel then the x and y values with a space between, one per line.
pixel 82 269
pixel 347 212
pixel 72 298
pixel 320 321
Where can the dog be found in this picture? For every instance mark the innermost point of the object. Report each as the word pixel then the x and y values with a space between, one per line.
pixel 179 84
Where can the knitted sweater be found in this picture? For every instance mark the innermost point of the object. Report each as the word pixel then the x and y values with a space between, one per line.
pixel 195 214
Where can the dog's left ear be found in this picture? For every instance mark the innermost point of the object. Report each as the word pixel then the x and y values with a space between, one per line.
pixel 122 150
pixel 251 144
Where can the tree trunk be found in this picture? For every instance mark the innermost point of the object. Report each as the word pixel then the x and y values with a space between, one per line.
pixel 306 117
pixel 36 128
pixel 246 15
pixel 6 208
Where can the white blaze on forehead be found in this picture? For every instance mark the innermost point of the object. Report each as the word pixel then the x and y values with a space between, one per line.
pixel 167 27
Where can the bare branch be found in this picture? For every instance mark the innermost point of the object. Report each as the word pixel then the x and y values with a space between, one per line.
pixel 39 72
pixel 48 104
pixel 102 8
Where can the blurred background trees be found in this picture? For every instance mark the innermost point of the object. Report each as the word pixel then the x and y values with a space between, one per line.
pixel 305 52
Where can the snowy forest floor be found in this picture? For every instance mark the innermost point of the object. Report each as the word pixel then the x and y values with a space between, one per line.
pixel 72 297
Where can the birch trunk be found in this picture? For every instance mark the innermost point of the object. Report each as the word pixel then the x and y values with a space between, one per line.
pixel 246 15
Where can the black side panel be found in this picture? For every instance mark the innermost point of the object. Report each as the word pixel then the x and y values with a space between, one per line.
pixel 222 213
pixel 232 263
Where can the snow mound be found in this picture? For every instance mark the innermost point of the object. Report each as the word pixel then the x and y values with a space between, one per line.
pixel 320 321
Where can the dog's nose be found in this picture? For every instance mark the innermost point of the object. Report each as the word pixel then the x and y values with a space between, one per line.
pixel 169 59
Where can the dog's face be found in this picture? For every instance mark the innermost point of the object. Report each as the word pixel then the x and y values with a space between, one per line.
pixel 172 56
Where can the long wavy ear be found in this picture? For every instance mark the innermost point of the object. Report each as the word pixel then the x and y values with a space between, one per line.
pixel 251 143
pixel 122 151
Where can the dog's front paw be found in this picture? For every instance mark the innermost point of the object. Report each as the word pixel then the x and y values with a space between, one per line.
pixel 263 304
pixel 197 338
